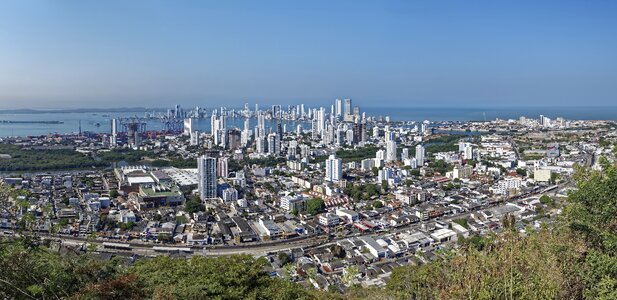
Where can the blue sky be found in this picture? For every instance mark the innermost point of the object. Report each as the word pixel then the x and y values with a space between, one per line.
pixel 379 53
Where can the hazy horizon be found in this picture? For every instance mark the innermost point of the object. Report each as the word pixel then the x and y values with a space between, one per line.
pixel 57 54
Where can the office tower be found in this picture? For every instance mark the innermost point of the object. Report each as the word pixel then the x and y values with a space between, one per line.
pixel 223 167
pixel 405 154
pixel 420 155
pixel 114 132
pixel 188 126
pixel 391 151
pixel 299 129
pixel 338 107
pixel 334 169
pixel 206 169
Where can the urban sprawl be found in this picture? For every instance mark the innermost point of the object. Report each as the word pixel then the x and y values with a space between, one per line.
pixel 330 190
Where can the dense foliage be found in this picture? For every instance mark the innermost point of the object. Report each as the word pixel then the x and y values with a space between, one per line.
pixel 348 155
pixel 315 206
pixel 31 160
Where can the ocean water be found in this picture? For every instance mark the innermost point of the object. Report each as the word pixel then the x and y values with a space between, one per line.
pixel 480 114
pixel 101 122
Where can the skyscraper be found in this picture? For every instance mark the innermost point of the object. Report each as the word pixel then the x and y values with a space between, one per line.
pixel 214 128
pixel 206 168
pixel 334 169
pixel 420 155
pixel 114 132
pixel 391 151
pixel 279 137
pixel 260 144
pixel 338 107
pixel 347 108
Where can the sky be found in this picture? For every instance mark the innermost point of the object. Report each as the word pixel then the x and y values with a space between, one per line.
pixel 65 54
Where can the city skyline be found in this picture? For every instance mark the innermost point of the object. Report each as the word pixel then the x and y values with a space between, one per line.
pixel 395 54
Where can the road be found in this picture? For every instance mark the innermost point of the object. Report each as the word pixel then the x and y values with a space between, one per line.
pixel 260 249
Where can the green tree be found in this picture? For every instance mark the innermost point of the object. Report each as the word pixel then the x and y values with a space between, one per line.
pixel 590 214
pixel 338 251
pixel 284 258
pixel 315 206
pixel 377 204
pixel 547 200
pixel 194 205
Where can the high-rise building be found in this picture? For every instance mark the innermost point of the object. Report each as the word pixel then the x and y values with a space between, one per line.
pixel 223 167
pixel 391 151
pixel 234 139
pixel 405 154
pixel 272 144
pixel 276 111
pixel 338 107
pixel 420 155
pixel 214 128
pixel 466 150
pixel 114 132
pixel 279 136
pixel 206 168
pixel 334 169
pixel 321 120
pixel 347 107
pixel 194 138
pixel 188 126
pixel 260 144
pixel 261 124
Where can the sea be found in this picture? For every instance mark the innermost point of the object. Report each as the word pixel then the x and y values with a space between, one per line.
pixel 100 122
